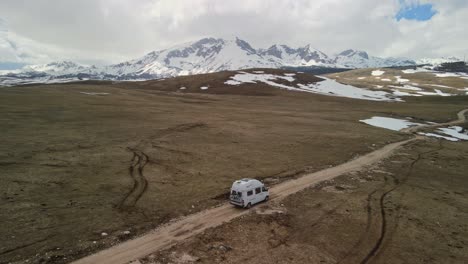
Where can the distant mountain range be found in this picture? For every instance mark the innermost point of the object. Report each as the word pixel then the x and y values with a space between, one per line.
pixel 203 56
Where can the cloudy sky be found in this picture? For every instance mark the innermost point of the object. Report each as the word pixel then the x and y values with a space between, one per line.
pixel 109 31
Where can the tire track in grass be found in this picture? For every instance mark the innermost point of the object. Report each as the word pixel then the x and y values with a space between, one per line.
pixel 383 213
pixel 165 235
pixel 375 251
pixel 140 184
pixel 26 245
pixel 139 161
pixel 364 237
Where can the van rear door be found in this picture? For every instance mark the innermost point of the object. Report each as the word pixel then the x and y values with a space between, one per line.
pixel 236 196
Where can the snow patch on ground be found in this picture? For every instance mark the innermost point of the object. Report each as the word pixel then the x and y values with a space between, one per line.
pixel 332 87
pixel 407 87
pixel 401 93
pixel 455 131
pixel 386 80
pixel 94 93
pixel 204 88
pixel 259 72
pixel 389 123
pixel 232 82
pixel 399 79
pixel 290 74
pixel 447 74
pixel 438 136
pixel 183 88
pixel 441 86
pixel 361 78
pixel 377 73
pixel 325 87
pixel 245 77
pixel 436 92
pixel 410 71
pixel 288 78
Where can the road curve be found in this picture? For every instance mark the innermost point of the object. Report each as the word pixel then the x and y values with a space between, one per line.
pixel 181 229
pixel 461 119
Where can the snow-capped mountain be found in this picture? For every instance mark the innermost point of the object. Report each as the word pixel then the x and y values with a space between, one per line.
pixel 211 55
pixel 360 59
pixel 283 55
pixel 437 61
pixel 57 68
pixel 202 56
pixel 205 55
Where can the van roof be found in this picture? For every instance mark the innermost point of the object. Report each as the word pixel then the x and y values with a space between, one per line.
pixel 246 183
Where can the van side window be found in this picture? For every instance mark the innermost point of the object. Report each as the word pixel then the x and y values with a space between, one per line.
pixel 249 193
pixel 264 189
pixel 258 190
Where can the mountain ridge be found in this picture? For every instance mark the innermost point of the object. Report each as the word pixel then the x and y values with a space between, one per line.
pixel 204 56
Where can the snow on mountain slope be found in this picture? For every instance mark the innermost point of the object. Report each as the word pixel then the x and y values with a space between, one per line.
pixel 437 61
pixel 303 56
pixel 202 56
pixel 360 59
pixel 60 68
pixel 210 55
pixel 216 54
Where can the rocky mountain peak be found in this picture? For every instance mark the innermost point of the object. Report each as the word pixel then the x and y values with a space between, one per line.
pixel 211 55
pixel 352 52
pixel 244 45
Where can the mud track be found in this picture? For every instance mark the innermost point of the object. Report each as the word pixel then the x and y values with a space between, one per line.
pixel 176 231
pixel 140 184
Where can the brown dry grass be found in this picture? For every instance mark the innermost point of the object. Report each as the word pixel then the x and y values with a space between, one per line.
pixel 64 157
pixel 423 80
pixel 421 194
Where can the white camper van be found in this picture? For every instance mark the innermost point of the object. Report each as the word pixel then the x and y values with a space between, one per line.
pixel 247 192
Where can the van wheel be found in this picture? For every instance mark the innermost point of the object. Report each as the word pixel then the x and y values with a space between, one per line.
pixel 248 205
pixel 266 198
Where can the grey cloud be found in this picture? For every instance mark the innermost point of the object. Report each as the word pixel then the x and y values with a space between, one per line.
pixel 115 30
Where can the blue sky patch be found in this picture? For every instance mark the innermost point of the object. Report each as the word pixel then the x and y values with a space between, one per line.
pixel 11 65
pixel 416 12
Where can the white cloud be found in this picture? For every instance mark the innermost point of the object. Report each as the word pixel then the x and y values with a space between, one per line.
pixel 14 48
pixel 114 30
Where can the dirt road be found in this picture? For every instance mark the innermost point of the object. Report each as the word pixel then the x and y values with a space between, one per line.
pixel 189 226
pixel 461 119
